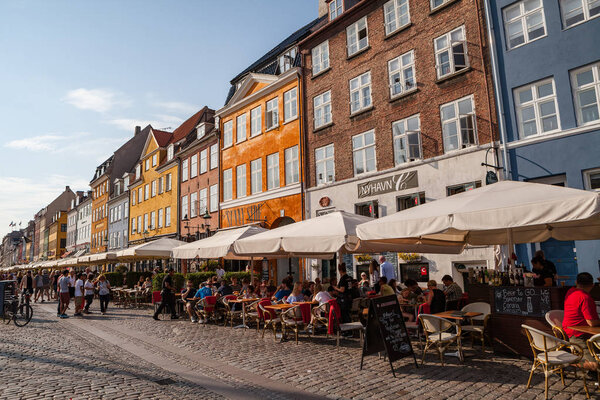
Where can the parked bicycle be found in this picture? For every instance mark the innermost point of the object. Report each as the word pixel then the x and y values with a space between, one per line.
pixel 20 312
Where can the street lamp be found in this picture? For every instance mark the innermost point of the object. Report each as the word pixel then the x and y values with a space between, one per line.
pixel 207 218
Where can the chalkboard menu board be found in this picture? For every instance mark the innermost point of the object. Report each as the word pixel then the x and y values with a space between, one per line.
pixel 386 331
pixel 525 301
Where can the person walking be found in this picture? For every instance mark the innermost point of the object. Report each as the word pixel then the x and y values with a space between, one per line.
pixel 88 293
pixel 167 296
pixel 64 296
pixel 27 284
pixel 103 293
pixel 79 295
pixel 45 285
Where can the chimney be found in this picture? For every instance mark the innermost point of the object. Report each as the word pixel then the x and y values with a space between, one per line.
pixel 323 8
pixel 138 129
pixel 67 188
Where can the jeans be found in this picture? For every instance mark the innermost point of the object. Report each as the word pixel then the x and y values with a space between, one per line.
pixel 104 302
pixel 168 300
pixel 88 301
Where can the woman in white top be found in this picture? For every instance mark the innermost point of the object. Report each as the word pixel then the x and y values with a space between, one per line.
pixel 89 293
pixel 103 293
pixel 373 274
pixel 321 295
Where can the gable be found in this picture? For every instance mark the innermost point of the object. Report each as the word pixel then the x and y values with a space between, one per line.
pixel 250 84
pixel 255 88
pixel 150 145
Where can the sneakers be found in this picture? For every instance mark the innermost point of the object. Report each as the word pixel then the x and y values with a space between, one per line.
pixel 174 316
pixel 78 314
pixel 194 319
pixel 64 316
pixel 155 318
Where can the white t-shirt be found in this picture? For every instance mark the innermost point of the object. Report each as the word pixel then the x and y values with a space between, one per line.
pixel 89 288
pixel 79 288
pixel 323 297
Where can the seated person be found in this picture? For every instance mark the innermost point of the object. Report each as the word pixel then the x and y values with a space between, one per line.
pixel 394 285
pixel 453 293
pixel 264 289
pixel 245 286
pixel 364 289
pixel 283 291
pixel 412 291
pixel 187 295
pixel 296 294
pixel 140 283
pixel 308 289
pixel 234 284
pixel 580 309
pixel 225 289
pixel 354 290
pixel 435 298
pixel 384 288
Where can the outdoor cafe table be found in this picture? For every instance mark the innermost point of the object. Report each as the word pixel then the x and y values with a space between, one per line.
pixel 243 302
pixel 592 330
pixel 457 315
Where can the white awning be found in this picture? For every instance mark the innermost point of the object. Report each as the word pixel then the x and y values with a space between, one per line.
pixel 157 249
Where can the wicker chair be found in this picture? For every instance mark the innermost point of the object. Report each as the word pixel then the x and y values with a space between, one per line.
pixel 555 319
pixel 319 317
pixel 548 353
pixel 252 314
pixel 230 314
pixel 593 345
pixel 270 320
pixel 478 329
pixel 291 319
pixel 437 335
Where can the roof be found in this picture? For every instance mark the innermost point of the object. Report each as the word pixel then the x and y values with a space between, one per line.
pixel 162 137
pixel 187 126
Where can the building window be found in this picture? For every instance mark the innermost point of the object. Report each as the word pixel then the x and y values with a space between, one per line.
pixel 336 7
pixel 133 225
pixel 592 179
pixel 586 87
pixel 357 36
pixel 63 228
pixel 202 201
pixel 200 131
pixel 154 160
pixel 438 3
pixel 360 93
pixel 168 183
pixel 402 74
pixel 203 161
pixel 159 223
pixel 167 216
pixel 184 207
pixel 272 171
pixel 146 223
pixel 320 58
pixel 214 156
pixel 240 184
pixel 133 198
pixel 407 139
pixel 147 166
pixel 184 170
pixel 325 164
pixel 227 184
pixel 292 172
pixel 524 22
pixel 290 105
pixel 459 129
pixel 153 188
pixel 322 106
pixel 465 187
pixel 194 166
pixel 256 121
pixel 396 15
pixel 153 220
pixel 451 52
pixel 125 210
pixel 146 191
pixel 240 129
pixel 363 152
pixel 410 201
pixel 537 111
pixel 140 194
pixel 170 152
pixel 368 209
pixel 193 205
pixel 287 59
pixel 256 176
pixel 139 224
pixel 577 11
pixel 160 185
pixel 272 116
pixel 214 198
pixel 138 172
pixel 227 134
pixel 111 216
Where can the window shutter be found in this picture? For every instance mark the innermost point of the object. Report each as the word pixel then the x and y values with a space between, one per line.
pixel 459 55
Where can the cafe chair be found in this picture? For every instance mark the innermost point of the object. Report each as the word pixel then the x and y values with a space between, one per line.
pixel 347 327
pixel 269 317
pixel 230 313
pixel 478 326
pixel 206 308
pixel 548 354
pixel 438 335
pixel 291 319
pixel 252 314
pixel 593 345
pixel 320 317
pixel 555 320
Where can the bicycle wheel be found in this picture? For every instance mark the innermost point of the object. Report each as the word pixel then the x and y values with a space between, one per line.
pixel 23 315
pixel 7 316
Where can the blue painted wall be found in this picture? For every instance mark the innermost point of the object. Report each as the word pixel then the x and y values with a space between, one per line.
pixel 554 55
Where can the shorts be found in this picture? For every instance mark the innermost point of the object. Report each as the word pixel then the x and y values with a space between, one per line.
pixel 582 342
pixel 78 302
pixel 65 298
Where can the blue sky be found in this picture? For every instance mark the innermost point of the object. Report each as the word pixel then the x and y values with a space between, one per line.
pixel 77 76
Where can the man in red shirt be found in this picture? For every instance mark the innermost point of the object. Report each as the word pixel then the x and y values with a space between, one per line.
pixel 580 309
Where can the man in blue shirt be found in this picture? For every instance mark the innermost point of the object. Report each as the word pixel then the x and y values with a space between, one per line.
pixel 284 291
pixel 205 290
pixel 386 269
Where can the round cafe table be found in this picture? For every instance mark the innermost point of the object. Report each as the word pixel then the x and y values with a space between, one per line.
pixel 243 302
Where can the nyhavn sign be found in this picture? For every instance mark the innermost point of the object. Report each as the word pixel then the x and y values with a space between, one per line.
pixel 405 180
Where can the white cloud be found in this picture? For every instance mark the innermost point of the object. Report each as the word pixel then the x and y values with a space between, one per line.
pixel 159 121
pixel 99 100
pixel 36 143
pixel 177 107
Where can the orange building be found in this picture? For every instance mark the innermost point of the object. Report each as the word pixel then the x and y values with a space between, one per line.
pixel 261 147
pixel 100 193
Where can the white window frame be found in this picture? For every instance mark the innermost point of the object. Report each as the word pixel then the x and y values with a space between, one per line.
pixel 240 128
pixel 256 176
pixel 403 136
pixel 184 170
pixel 536 102
pixel 228 134
pixel 290 105
pixel 272 114
pixel 451 47
pixel 320 58
pixel 140 194
pixel 522 19
pixel 146 165
pixel 228 184
pixel 154 160
pixel 167 216
pixel 354 43
pixel 255 121
pixel 146 191
pixel 214 198
pixel 185 213
pixel 584 6
pixel 203 161
pixel 139 224
pixel 362 87
pixel 435 7
pixel 200 131
pixel 397 70
pixel 594 85
pixel 194 166
pixel 322 110
pixel 170 152
pixel 160 221
pixel 133 225
pixel 152 220
pixel 363 149
pixel 325 160
pixel 214 156
pixel 169 182
pixel 154 191
pixel 336 8
pixel 292 165
pixel 194 206
pixel 146 222
pixel 161 186
pixel 458 120
pixel 273 171
pixel 393 16
pixel 241 187
pixel 202 201
pixel 587 179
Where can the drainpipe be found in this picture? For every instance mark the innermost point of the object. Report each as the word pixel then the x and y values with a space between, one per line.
pixel 497 90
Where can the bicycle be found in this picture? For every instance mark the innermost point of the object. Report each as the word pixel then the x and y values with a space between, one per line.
pixel 20 314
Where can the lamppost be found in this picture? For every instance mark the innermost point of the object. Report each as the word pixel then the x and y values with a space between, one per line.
pixel 206 224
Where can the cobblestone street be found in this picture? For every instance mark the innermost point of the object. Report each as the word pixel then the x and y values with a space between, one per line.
pixel 127 355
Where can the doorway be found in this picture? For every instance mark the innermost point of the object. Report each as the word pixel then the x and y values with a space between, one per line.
pixel 562 254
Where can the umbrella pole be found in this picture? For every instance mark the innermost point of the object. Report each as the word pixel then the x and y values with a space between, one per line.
pixel 510 246
pixel 251 271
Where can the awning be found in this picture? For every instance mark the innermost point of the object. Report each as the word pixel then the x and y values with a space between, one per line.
pixel 157 249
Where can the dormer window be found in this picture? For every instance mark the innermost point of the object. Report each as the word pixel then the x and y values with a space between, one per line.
pixel 138 171
pixel 336 8
pixel 170 152
pixel 286 60
pixel 201 131
pixel 126 182
pixel 117 188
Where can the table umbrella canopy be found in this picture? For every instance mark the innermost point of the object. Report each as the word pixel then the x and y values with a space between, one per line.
pixel 321 237
pixel 502 213
pixel 217 246
pixel 156 249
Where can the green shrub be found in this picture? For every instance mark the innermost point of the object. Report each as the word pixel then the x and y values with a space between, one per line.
pixel 114 278
pixel 198 277
pixel 178 281
pixel 121 269
pixel 134 276
pixel 239 275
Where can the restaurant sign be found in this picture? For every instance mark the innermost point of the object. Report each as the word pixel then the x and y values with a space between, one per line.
pixel 405 180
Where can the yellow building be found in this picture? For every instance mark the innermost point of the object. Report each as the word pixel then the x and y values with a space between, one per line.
pixel 153 194
pixel 57 235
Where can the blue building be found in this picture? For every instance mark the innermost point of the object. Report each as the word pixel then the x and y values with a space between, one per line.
pixel 546 60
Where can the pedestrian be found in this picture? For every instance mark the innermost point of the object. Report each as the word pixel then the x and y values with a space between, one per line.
pixel 54 276
pixel 27 283
pixel 72 279
pixel 374 275
pixel 64 284
pixel 386 269
pixel 167 296
pixel 38 286
pixel 45 285
pixel 79 295
pixel 103 293
pixel 89 293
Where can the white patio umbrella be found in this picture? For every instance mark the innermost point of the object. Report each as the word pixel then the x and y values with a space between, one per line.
pixel 156 249
pixel 506 212
pixel 321 237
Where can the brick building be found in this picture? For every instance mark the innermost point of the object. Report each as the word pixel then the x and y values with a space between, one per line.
pixel 399 111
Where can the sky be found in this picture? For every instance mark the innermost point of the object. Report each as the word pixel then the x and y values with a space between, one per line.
pixel 76 77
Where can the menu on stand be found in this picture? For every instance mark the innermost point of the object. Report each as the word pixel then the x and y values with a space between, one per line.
pixel 525 301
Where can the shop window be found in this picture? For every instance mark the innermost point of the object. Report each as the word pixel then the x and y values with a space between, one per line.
pixel 368 209
pixel 465 187
pixel 410 201
pixel 417 271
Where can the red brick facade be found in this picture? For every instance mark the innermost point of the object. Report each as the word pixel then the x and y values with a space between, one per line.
pixel 419 36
